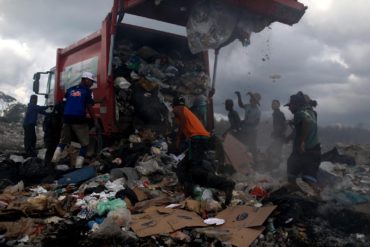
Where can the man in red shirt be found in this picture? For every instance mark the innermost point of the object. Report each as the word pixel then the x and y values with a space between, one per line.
pixel 195 169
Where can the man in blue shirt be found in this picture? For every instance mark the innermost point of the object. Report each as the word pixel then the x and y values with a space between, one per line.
pixel 29 125
pixel 251 121
pixel 78 99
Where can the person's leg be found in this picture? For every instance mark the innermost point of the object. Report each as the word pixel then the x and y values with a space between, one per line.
pixel 82 133
pixel 33 140
pixel 197 150
pixel 65 138
pixel 221 183
pixel 210 180
pixel 26 139
pixel 184 176
pixel 274 153
pixel 293 167
pixel 312 159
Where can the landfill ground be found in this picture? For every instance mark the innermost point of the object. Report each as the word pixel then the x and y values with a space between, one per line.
pixel 106 204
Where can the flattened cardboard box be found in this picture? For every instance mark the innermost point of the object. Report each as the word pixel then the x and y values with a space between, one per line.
pixel 236 154
pixel 245 216
pixel 245 223
pixel 164 220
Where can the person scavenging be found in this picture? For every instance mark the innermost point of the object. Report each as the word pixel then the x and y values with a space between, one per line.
pixel 234 119
pixel 78 99
pixel 29 125
pixel 305 158
pixel 277 136
pixel 194 169
pixel 251 120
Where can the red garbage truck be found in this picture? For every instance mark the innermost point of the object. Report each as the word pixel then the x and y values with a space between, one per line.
pixel 139 69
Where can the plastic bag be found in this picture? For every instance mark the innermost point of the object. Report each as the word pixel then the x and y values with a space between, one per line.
pixel 148 167
pixel 107 206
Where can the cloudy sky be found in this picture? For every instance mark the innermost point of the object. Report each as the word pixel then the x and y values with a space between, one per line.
pixel 326 55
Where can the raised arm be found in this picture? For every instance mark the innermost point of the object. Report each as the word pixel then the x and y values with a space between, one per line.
pixel 240 102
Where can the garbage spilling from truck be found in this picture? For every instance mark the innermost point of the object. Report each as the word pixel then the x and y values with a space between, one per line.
pixel 146 76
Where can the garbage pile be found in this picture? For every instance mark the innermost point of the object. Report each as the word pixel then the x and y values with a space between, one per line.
pixel 347 182
pixel 11 132
pixel 146 76
pixel 129 196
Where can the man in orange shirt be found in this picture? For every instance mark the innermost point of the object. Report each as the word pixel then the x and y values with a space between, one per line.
pixel 195 169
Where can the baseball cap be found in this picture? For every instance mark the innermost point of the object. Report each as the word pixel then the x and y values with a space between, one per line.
pixel 89 75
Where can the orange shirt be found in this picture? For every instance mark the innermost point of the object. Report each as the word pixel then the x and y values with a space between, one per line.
pixel 189 123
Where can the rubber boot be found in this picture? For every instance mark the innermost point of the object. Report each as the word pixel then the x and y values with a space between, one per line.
pixel 57 155
pixel 229 192
pixel 79 161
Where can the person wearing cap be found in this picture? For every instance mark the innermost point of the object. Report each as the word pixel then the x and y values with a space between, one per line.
pixel 78 99
pixel 192 170
pixel 29 124
pixel 233 116
pixel 251 120
pixel 199 107
pixel 278 134
pixel 306 153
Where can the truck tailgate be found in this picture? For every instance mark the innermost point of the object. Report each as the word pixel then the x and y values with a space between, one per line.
pixel 177 11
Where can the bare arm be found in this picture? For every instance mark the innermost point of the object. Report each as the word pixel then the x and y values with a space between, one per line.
pixel 304 136
pixel 180 121
pixel 240 102
pixel 90 111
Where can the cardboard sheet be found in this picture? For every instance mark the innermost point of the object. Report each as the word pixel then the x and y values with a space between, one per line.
pixel 245 216
pixel 164 220
pixel 236 154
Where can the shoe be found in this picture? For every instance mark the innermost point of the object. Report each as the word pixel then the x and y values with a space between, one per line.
pixel 57 154
pixel 229 192
pixel 79 161
pixel 315 188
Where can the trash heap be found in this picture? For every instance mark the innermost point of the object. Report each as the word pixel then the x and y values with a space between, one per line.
pixel 129 196
pixel 11 132
pixel 347 181
pixel 145 76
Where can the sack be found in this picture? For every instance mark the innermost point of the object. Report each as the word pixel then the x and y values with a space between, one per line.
pixel 148 107
pixel 33 168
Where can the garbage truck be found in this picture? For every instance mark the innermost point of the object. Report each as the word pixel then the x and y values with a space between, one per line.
pixel 139 70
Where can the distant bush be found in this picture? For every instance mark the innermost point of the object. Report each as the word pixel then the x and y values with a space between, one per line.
pixel 15 113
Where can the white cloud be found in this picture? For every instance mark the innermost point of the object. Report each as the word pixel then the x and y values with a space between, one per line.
pixel 21 59
pixel 20 49
pixel 331 55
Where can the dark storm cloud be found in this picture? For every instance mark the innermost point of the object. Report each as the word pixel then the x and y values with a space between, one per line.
pixel 305 62
pixel 60 22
